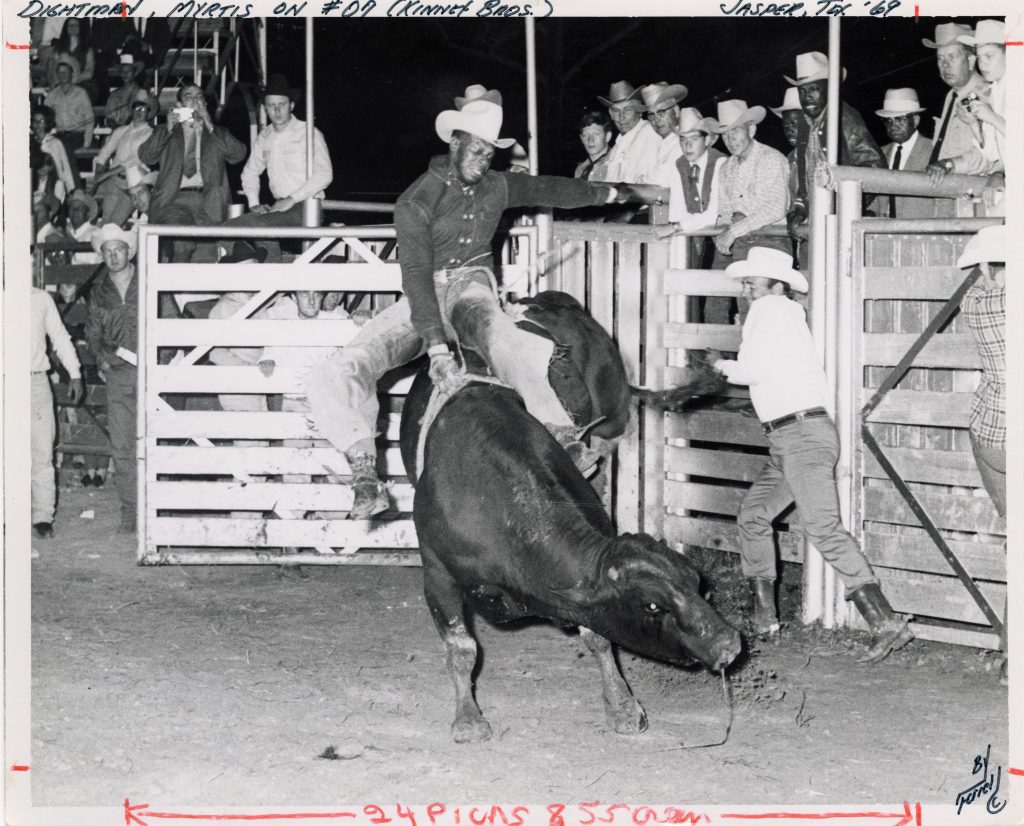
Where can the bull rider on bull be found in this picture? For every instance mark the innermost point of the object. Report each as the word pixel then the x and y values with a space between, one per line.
pixel 788 390
pixel 445 222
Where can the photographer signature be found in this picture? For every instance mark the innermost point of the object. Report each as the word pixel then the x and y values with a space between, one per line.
pixel 987 784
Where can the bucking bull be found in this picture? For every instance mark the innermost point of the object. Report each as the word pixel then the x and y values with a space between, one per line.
pixel 508 527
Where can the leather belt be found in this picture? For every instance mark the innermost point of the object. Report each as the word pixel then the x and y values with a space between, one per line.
pixel 799 416
pixel 191 189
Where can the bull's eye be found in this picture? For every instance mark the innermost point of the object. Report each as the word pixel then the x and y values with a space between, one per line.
pixel 652 608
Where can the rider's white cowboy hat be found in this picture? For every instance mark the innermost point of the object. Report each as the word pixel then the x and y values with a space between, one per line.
pixel 481 118
pixel 987 245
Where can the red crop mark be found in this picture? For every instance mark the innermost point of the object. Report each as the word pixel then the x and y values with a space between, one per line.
pixel 917 12
pixel 124 8
pixel 17 45
pixel 1019 772
pixel 1014 43
pixel 904 818
pixel 18 767
pixel 134 814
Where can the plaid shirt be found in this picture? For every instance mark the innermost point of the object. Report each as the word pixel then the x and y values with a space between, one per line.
pixel 985 312
pixel 756 186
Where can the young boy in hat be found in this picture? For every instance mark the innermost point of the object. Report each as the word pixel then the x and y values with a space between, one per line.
pixel 112 331
pixel 787 387
pixel 46 323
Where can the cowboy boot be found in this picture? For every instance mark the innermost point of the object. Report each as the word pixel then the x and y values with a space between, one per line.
pixel 764 622
pixel 371 497
pixel 585 458
pixel 888 631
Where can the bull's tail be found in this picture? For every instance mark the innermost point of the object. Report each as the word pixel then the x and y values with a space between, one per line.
pixel 702 382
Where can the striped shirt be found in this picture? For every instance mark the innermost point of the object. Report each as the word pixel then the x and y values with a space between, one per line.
pixel 756 186
pixel 985 313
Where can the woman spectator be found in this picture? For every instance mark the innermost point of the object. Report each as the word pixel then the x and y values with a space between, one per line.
pixel 74 42
pixel 44 136
pixel 120 153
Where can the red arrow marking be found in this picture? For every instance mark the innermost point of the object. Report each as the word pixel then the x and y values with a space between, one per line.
pixel 905 817
pixel 130 816
pixel 17 767
pixel 1015 771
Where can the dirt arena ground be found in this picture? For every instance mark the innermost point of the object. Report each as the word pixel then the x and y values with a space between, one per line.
pixel 216 685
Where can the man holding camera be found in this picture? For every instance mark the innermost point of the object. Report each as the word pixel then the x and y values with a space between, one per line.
pixel 193 154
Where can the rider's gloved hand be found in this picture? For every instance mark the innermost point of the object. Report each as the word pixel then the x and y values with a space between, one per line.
pixel 446 373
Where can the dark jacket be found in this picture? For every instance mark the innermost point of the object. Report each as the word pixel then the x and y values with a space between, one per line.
pixel 216 149
pixel 113 322
pixel 441 224
pixel 856 148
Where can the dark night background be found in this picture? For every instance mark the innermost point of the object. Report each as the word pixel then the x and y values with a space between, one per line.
pixel 381 82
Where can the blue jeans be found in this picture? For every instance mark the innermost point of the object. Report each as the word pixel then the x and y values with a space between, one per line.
pixel 342 391
pixel 991 462
pixel 801 468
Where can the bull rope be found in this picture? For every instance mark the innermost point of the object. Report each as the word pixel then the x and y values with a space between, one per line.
pixel 437 401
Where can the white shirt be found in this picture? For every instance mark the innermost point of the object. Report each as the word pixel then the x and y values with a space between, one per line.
pixel 634 158
pixel 123 145
pixel 677 212
pixel 908 147
pixel 283 155
pixel 777 359
pixel 46 322
pixel 84 234
pixel 300 359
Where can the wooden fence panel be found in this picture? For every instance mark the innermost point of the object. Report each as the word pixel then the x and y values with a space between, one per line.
pixel 921 428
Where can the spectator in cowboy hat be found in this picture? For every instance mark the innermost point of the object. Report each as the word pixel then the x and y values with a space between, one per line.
pixel 955 128
pixel 112 335
pixel 908 152
pixel 445 223
pixel 984 308
pixel 74 41
pixel 662 104
pixel 192 153
pixel 118 110
pixel 752 193
pixel 121 153
pixel 72 109
pixel 280 149
pixel 986 155
pixel 693 202
pixel 791 113
pixel 634 158
pixel 778 360
pixel 856 146
pixel 83 210
pixel 139 189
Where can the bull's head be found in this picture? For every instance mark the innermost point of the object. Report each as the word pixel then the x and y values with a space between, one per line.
pixel 648 600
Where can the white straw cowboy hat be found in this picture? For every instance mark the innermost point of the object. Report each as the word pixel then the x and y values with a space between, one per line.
pixel 987 245
pixel 128 59
pixel 946 33
pixel 109 233
pixel 658 96
pixel 479 117
pixel 478 92
pixel 810 66
pixel 988 31
pixel 622 92
pixel 769 263
pixel 733 113
pixel 899 102
pixel 80 196
pixel 790 102
pixel 690 121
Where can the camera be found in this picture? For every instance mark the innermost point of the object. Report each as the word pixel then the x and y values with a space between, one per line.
pixel 183 113
pixel 970 97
